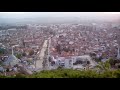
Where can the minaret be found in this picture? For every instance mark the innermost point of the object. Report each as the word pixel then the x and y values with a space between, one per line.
pixel 71 63
pixel 118 41
pixel 12 51
pixel 118 56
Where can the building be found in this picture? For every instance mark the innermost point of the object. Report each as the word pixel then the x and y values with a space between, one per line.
pixel 11 60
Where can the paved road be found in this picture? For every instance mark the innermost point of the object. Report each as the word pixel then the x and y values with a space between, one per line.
pixel 39 62
pixel 48 54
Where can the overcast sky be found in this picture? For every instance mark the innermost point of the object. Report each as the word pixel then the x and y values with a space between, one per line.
pixel 55 14
pixel 22 16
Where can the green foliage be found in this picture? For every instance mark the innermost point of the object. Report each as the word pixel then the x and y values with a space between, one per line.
pixel 112 61
pixel 60 67
pixel 98 59
pixel 19 56
pixel 104 65
pixel 2 51
pixel 20 76
pixel 68 73
pixel 117 73
pixel 104 72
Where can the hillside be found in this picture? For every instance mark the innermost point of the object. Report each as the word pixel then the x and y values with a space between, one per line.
pixel 68 73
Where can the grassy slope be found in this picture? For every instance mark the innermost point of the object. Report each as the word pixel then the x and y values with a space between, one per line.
pixel 67 73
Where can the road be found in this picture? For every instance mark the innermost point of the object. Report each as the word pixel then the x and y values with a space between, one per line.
pixel 48 54
pixel 41 55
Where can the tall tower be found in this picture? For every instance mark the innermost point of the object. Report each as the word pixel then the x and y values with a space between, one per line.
pixel 118 41
pixel 118 55
pixel 12 51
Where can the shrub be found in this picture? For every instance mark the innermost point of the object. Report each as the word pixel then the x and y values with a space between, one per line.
pixel 19 56
pixel 69 73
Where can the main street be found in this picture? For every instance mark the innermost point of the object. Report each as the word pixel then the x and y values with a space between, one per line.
pixel 41 56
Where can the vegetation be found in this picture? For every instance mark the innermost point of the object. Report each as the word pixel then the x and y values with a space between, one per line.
pixel 23 54
pixel 104 66
pixel 103 70
pixel 69 73
pixel 18 56
pixel 2 51
pixel 31 52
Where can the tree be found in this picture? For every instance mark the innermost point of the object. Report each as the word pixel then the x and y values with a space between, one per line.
pixel 97 59
pixel 2 51
pixel 31 52
pixel 24 54
pixel 58 48
pixel 104 66
pixel 19 56
pixel 111 61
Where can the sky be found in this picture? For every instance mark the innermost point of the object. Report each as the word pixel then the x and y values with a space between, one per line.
pixel 10 16
pixel 54 14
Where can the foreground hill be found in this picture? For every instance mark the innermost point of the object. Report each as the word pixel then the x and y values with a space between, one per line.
pixel 68 73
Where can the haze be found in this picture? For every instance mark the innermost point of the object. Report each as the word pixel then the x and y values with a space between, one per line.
pixel 58 16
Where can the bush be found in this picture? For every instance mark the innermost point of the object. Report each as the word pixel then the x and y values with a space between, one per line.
pixel 69 73
pixel 19 56
pixel 117 73
pixel 20 76
pixel 2 51
pixel 24 54
pixel 31 52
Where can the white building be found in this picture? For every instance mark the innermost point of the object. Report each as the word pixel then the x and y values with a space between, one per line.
pixel 11 60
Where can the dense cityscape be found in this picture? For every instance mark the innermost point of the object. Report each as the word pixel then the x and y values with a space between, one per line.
pixel 32 48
